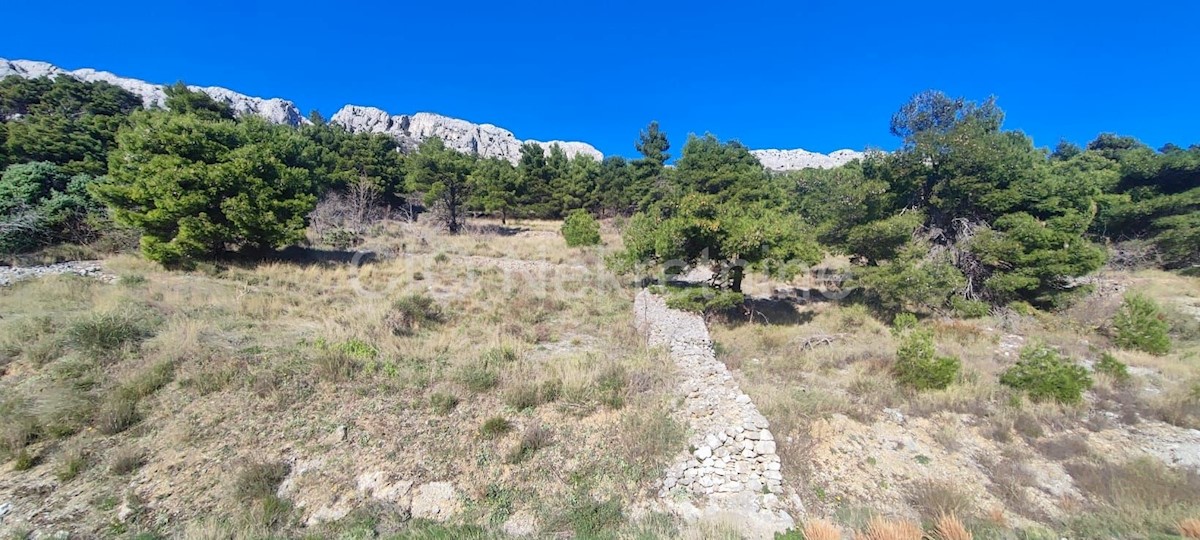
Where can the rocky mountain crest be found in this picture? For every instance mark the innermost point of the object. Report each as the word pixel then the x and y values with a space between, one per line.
pixel 410 130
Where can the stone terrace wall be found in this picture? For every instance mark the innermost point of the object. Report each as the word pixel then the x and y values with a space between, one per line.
pixel 732 468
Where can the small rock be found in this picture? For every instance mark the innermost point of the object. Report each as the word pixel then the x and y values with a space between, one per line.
pixel 703 452
pixel 437 501
pixel 764 447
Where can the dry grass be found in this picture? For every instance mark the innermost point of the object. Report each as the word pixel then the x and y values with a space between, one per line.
pixel 886 529
pixel 1189 528
pixel 949 527
pixel 819 529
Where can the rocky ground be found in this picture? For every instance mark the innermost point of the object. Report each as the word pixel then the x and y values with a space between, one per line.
pixel 13 274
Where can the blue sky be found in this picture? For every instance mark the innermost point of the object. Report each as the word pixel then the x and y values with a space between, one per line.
pixel 814 75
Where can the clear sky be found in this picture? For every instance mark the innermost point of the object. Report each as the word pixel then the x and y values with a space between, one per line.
pixel 788 74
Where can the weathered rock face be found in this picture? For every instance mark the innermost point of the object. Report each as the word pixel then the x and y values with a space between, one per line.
pixel 485 140
pixel 274 110
pixel 794 160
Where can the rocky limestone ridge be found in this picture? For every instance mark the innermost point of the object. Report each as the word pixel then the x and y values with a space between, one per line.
pixel 794 160
pixel 485 140
pixel 732 468
pixel 274 110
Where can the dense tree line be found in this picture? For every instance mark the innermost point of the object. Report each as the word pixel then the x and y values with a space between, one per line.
pixel 965 213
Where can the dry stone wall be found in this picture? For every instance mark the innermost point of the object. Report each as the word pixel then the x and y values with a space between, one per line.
pixel 731 466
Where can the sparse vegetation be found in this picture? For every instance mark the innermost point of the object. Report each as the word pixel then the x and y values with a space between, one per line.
pixel 412 313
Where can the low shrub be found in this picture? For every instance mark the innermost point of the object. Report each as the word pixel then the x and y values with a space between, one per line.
pixel 1141 325
pixel 105 332
pixel 1044 375
pixel 611 386
pixel 1109 365
pixel 126 460
pixel 918 366
pixel 523 396
pixel 117 413
pixel 495 426
pixel 413 312
pixel 703 300
pixel 72 463
pixel 443 402
pixel 532 439
pixel 478 378
pixel 589 518
pixel 581 229
pixel 968 308
pixel 260 480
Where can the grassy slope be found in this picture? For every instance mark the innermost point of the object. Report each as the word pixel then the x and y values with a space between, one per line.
pixel 173 394
pixel 976 448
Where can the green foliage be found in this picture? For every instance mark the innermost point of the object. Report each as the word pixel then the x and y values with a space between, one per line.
pixel 913 280
pixel 444 176
pixel 105 332
pixel 443 402
pixel 903 322
pixel 703 300
pixel 1109 365
pixel 968 308
pixel 1140 324
pixel 495 426
pixel 917 365
pixel 478 377
pixel 581 229
pixel 963 193
pixel 413 312
pixel 41 204
pixel 1045 375
pixel 62 121
pixel 198 187
pixel 588 518
pixel 729 238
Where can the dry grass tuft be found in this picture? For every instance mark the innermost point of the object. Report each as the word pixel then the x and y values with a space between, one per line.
pixel 933 499
pixel 819 529
pixel 1189 528
pixel 949 527
pixel 883 529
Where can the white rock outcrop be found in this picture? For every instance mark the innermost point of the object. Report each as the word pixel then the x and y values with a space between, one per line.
pixel 794 160
pixel 275 110
pixel 485 140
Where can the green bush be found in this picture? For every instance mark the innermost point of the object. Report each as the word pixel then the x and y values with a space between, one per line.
pixel 581 229
pixel 969 309
pixel 443 402
pixel 495 426
pixel 413 312
pixel 703 300
pixel 1044 375
pixel 903 322
pixel 478 378
pixel 1141 325
pixel 918 366
pixel 105 332
pixel 1109 365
